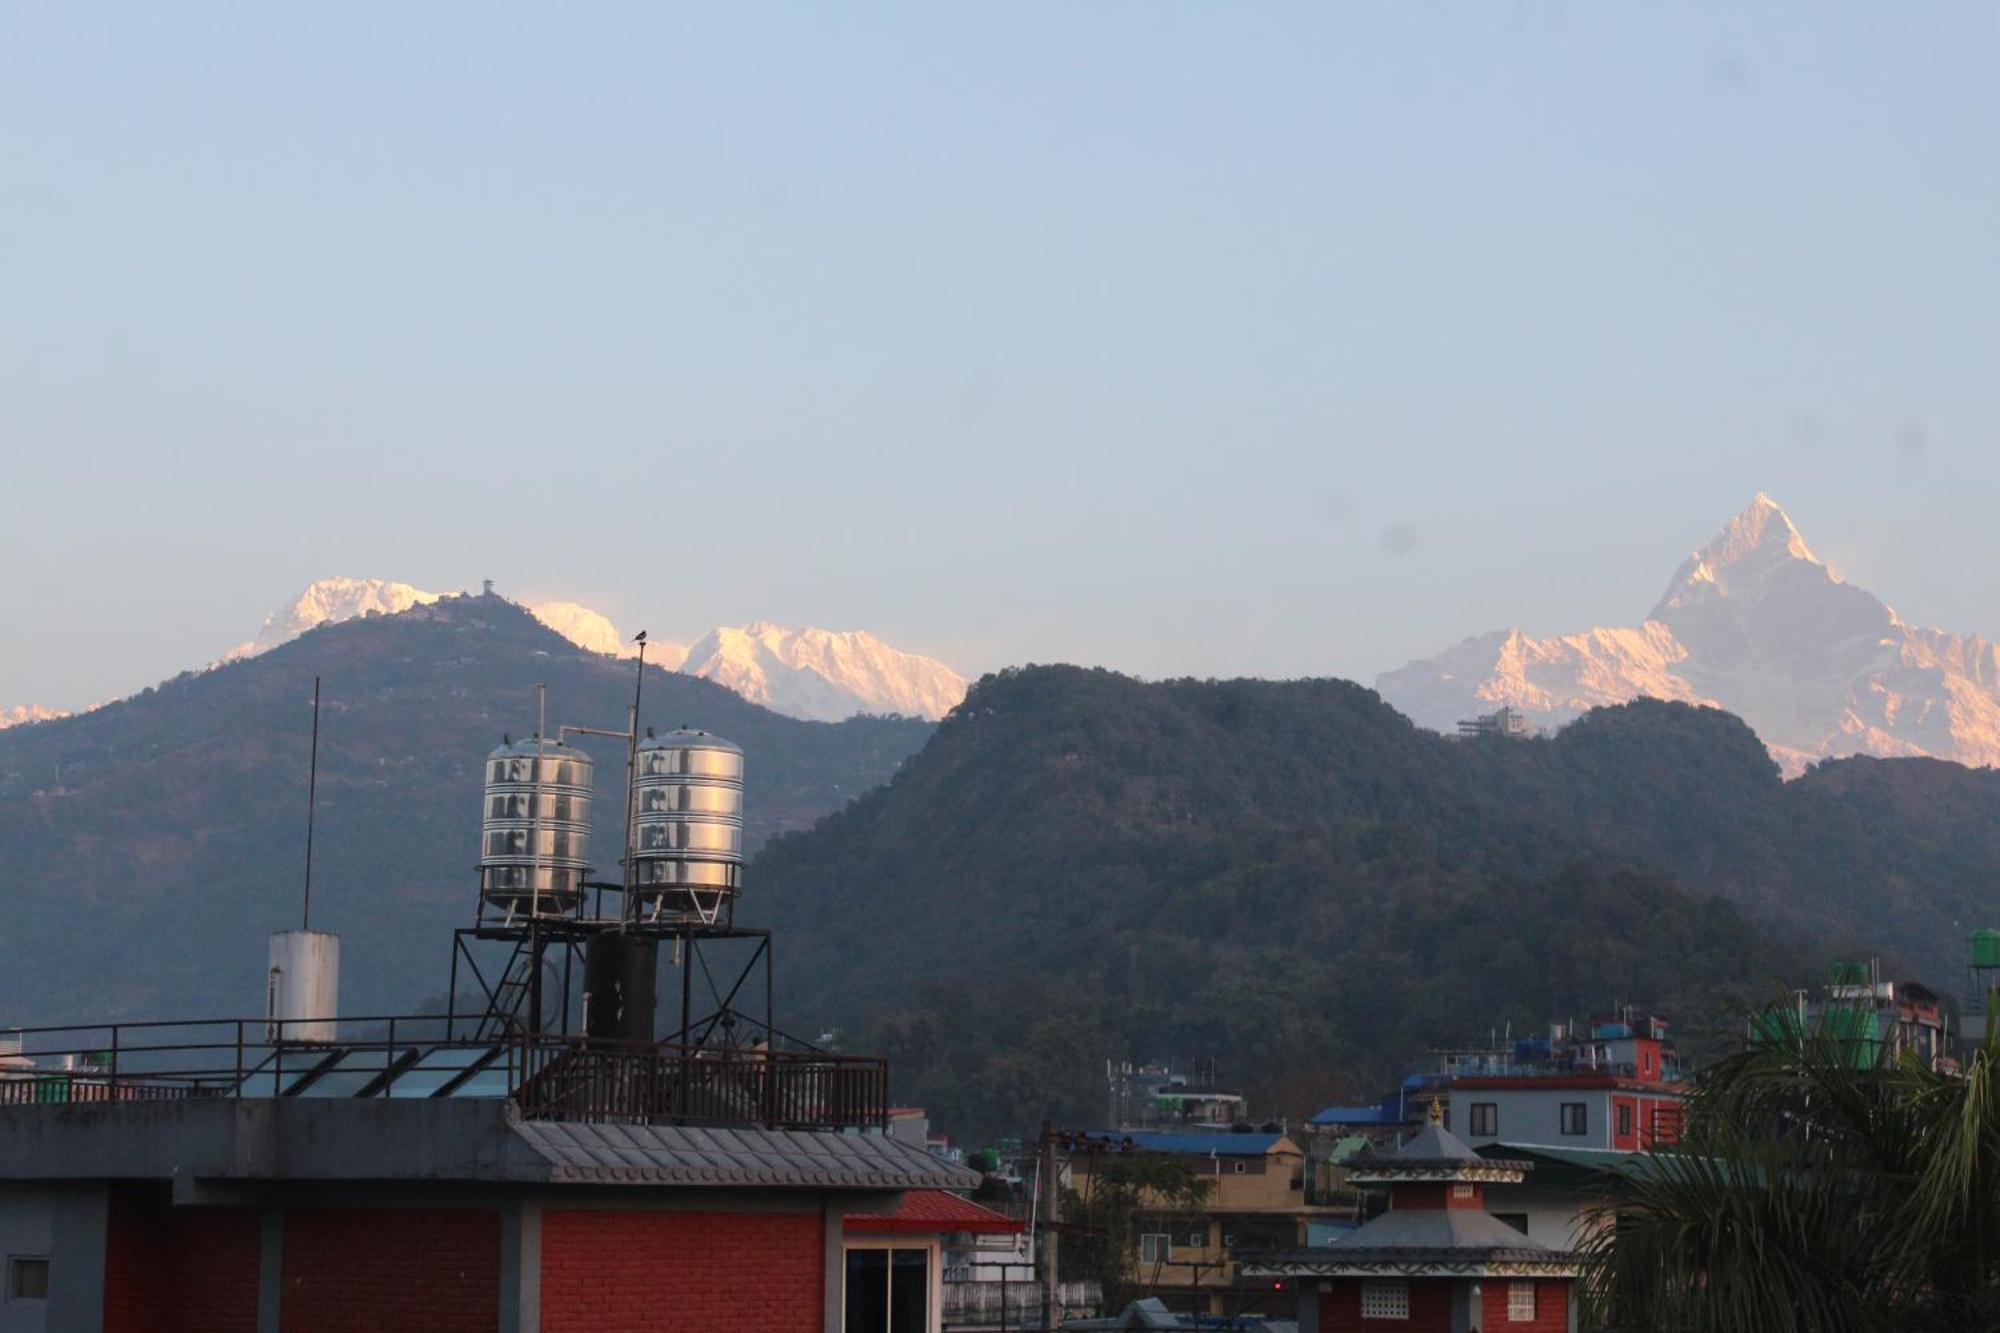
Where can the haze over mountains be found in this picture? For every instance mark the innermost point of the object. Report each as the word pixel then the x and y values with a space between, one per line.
pixel 815 674
pixel 1753 623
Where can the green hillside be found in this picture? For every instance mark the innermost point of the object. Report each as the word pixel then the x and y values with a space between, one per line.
pixel 1286 876
pixel 147 848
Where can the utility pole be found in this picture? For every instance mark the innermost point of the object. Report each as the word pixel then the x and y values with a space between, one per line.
pixel 1051 1215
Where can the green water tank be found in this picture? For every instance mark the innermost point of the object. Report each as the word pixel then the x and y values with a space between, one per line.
pixel 1985 948
pixel 1847 973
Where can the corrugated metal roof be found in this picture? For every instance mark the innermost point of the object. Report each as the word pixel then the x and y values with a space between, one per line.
pixel 934 1211
pixel 692 1155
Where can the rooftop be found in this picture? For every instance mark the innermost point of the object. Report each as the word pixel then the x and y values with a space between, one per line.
pixel 219 1143
pixel 429 1058
pixel 1219 1144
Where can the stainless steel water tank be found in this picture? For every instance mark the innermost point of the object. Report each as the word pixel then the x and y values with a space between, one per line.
pixel 688 825
pixel 534 847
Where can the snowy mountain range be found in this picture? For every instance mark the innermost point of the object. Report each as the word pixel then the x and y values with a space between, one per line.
pixel 1753 623
pixel 816 674
pixel 22 714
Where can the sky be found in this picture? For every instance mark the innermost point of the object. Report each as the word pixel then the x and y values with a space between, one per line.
pixel 1205 339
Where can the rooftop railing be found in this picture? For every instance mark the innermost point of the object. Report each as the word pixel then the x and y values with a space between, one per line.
pixel 418 1056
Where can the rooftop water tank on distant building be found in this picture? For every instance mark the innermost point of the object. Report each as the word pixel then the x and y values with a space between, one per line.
pixel 688 848
pixel 534 851
pixel 302 997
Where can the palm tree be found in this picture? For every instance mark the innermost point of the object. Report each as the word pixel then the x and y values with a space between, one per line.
pixel 1821 1187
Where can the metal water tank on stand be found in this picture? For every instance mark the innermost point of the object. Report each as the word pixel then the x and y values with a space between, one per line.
pixel 687 825
pixel 534 851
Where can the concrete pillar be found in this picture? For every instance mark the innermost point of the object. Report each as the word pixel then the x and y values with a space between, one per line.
pixel 270 1270
pixel 521 1267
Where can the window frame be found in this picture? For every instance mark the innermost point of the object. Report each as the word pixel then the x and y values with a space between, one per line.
pixel 1515 1314
pixel 934 1270
pixel 1490 1118
pixel 1627 1118
pixel 1582 1119
pixel 17 1264
pixel 1385 1286
pixel 1162 1243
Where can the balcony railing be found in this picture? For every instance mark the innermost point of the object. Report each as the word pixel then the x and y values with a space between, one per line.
pixel 406 1057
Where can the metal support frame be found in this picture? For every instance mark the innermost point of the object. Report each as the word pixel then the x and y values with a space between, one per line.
pixel 717 1013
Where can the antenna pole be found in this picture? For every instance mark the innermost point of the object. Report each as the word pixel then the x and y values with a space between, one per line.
pixel 632 769
pixel 312 804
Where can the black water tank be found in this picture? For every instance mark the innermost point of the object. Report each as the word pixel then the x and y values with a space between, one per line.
pixel 618 972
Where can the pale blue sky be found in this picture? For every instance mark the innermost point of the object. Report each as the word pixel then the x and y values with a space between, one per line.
pixel 1219 338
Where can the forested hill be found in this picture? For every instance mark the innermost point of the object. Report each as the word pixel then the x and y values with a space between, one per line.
pixel 1291 878
pixel 148 847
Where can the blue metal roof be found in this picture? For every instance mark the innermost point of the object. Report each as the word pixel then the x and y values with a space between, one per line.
pixel 1357 1115
pixel 1218 1144
pixel 1388 1111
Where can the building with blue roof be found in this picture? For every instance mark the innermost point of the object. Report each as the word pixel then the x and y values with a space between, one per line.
pixel 1256 1202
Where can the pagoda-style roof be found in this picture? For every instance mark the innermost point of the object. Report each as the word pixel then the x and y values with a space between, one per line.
pixel 1435 1154
pixel 1422 1242
pixel 1426 1242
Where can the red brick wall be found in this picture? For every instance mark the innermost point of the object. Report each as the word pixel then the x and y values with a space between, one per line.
pixel 395 1270
pixel 633 1272
pixel 1551 1307
pixel 1430 1308
pixel 178 1270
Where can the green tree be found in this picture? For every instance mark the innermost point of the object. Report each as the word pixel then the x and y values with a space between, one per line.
pixel 1123 1196
pixel 1821 1187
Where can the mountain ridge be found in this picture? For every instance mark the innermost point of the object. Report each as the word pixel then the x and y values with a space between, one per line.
pixel 1754 623
pixel 804 672
pixel 169 827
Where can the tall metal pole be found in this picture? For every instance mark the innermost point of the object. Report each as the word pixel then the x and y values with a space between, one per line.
pixel 1045 1255
pixel 632 773
pixel 312 804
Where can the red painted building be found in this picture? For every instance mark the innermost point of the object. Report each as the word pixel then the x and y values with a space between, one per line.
pixel 1436 1261
pixel 297 1215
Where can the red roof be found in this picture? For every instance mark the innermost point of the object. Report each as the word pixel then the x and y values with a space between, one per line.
pixel 932 1212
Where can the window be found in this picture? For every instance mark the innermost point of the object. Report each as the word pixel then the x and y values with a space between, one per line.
pixel 1520 1302
pixel 1461 1191
pixel 1153 1247
pixel 27 1279
pixel 888 1290
pixel 1518 1221
pixel 1385 1298
pixel 1485 1120
pixel 1624 1119
pixel 1197 1239
pixel 1239 1167
pixel 1576 1118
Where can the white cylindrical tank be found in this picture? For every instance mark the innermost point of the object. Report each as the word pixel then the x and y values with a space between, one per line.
pixel 302 999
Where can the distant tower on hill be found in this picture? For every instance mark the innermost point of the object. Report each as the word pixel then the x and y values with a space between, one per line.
pixel 1508 722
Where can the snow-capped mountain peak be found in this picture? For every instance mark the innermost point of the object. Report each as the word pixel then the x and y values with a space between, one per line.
pixel 823 675
pixel 1753 622
pixel 328 600
pixel 805 672
pixel 594 632
pixel 20 715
